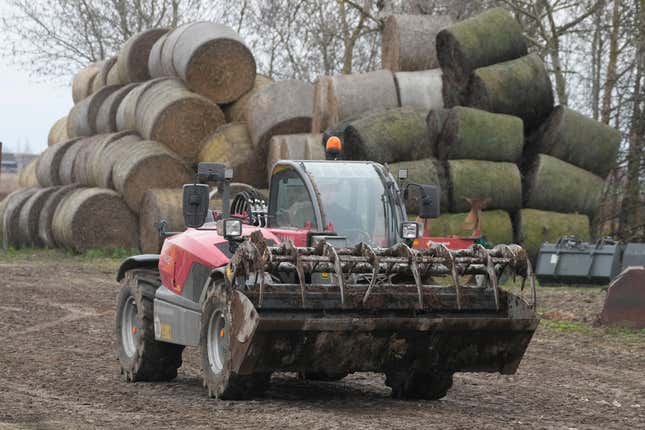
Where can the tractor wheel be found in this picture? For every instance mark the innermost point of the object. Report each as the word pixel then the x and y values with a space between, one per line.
pixel 142 358
pixel 417 384
pixel 215 342
pixel 322 376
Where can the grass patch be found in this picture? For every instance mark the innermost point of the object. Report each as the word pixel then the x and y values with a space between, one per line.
pixel 567 326
pixel 100 259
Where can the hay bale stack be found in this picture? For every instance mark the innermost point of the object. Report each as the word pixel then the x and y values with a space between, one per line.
pixel 166 64
pixel 100 80
pixel 46 215
pixel 476 179
pixel 237 111
pixel 554 185
pixel 214 61
pixel 231 144
pixel 48 168
pixel 435 122
pixel 58 132
pixel 83 167
pixel 27 176
pixel 351 95
pixel 66 170
pixel 145 164
pixel 534 227
pixel 302 146
pixel 113 77
pixel 475 134
pixel 576 139
pixel 427 171
pixel 11 217
pixel 155 69
pixel 409 41
pixel 518 87
pixel 81 121
pixel 421 90
pixel 489 38
pixel 82 82
pixel 108 154
pixel 159 204
pixel 106 117
pixel 496 226
pixel 280 108
pixel 338 130
pixel 135 53
pixel 388 136
pixel 76 226
pixel 29 216
pixel 170 114
pixel 126 113
pixel 321 117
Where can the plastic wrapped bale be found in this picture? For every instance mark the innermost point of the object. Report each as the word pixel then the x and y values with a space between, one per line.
pixel 109 154
pixel 388 136
pixel 435 122
pixel 421 90
pixel 579 140
pixel 214 61
pixel 476 179
pixel 100 80
pixel 27 176
pixel 81 120
pixel 237 111
pixel 534 227
pixel 170 114
pixel 554 185
pixel 159 204
pixel 518 87
pixel 409 41
pixel 29 216
pixel 231 144
pixel 496 226
pixel 11 217
pixel 46 214
pixel 475 134
pixel 77 227
pixel 82 82
pixel 134 55
pixel 304 146
pixel 58 132
pixel 48 168
pixel 489 38
pixel 427 171
pixel 106 117
pixel 283 107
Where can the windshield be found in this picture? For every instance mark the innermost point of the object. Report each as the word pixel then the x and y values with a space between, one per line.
pixel 353 200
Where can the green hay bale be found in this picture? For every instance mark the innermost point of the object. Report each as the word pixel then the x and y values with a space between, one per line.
pixel 476 179
pixel 475 134
pixel 388 136
pixel 579 140
pixel 427 171
pixel 435 121
pixel 518 87
pixel 496 226
pixel 554 185
pixel 489 38
pixel 534 227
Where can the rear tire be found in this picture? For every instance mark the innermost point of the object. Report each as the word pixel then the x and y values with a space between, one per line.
pixel 142 358
pixel 417 384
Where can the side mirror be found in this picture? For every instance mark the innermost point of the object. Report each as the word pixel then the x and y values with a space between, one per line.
pixel 429 199
pixel 195 204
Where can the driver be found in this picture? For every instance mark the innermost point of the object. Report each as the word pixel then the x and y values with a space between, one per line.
pixel 335 204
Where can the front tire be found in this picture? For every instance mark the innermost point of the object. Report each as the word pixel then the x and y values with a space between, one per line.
pixel 141 357
pixel 418 384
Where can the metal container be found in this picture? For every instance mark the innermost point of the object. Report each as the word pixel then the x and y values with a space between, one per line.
pixel 634 255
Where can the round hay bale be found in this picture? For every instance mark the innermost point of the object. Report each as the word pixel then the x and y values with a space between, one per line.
pixel 108 154
pixel 82 118
pixel 554 185
pixel 231 144
pixel 170 114
pixel 76 225
pixel 435 122
pixel 214 61
pixel 294 147
pixel 58 132
pixel 113 77
pixel 489 38
pixel 155 67
pixel 534 227
pixel 100 80
pixel 135 53
pixel 337 130
pixel 476 179
pixel 321 117
pixel 427 171
pixel 496 226
pixel 48 168
pixel 351 95
pixel 518 87
pixel 236 111
pixel 82 82
pixel 579 140
pixel 126 113
pixel 29 215
pixel 83 168
pixel 159 204
pixel 421 90
pixel 66 171
pixel 479 135
pixel 27 176
pixel 167 65
pixel 145 164
pixel 409 41
pixel 106 117
pixel 280 108
pixel 11 217
pixel 388 136
pixel 46 215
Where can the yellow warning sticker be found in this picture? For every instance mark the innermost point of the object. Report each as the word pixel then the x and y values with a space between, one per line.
pixel 166 331
pixel 324 275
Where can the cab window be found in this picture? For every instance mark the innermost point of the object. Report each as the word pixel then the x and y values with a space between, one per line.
pixel 291 204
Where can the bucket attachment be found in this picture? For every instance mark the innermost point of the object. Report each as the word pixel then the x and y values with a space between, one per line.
pixel 625 302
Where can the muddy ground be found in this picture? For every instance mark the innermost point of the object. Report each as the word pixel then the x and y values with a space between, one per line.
pixel 58 369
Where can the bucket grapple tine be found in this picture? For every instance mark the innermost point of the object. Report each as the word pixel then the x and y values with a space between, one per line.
pixel 330 251
pixel 371 257
pixel 441 250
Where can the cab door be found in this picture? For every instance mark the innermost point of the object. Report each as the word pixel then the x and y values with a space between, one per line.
pixel 291 205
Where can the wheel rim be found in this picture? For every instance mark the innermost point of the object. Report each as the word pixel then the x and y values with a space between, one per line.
pixel 215 341
pixel 129 329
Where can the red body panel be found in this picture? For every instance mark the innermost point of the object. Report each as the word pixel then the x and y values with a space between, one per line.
pixel 451 242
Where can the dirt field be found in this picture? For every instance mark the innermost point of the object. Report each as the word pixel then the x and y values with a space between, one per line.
pixel 58 369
